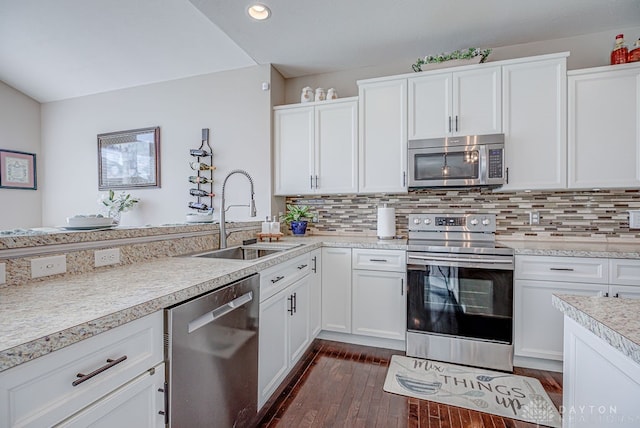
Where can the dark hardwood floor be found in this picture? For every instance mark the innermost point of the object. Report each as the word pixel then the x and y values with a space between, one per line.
pixel 340 385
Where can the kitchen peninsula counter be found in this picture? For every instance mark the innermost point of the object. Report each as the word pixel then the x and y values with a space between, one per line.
pixel 41 317
pixel 614 320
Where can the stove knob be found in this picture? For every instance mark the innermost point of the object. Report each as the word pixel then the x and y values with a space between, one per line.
pixel 486 222
pixel 427 221
pixel 416 221
pixel 474 222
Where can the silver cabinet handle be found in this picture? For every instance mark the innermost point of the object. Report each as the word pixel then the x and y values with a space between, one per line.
pixel 86 377
pixel 315 264
pixel 449 123
pixel 311 181
pixel 316 181
pixel 302 266
pixel 219 312
pixel 277 278
pixel 378 260
pixel 290 299
pixel 456 123
pixel 562 269
pixel 402 286
pixel 404 178
pixel 507 175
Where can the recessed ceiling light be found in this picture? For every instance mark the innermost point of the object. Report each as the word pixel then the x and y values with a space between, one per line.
pixel 259 12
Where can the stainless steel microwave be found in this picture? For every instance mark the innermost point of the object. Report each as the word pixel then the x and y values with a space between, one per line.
pixel 476 160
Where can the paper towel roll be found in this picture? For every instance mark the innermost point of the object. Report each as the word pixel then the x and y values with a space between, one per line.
pixel 386 223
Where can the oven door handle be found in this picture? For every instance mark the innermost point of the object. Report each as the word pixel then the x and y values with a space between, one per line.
pixel 422 259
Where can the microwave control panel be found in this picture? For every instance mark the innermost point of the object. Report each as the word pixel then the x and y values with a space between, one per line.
pixel 495 163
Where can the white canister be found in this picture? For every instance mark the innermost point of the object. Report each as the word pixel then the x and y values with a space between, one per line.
pixel 307 94
pixel 386 222
pixel 332 94
pixel 321 95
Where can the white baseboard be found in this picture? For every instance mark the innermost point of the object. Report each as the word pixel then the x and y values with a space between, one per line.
pixel 537 363
pixel 355 339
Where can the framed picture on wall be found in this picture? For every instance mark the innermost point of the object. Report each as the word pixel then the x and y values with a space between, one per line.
pixel 129 159
pixel 17 170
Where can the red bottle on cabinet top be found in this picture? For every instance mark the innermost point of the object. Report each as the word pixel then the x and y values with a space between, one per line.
pixel 620 51
pixel 634 55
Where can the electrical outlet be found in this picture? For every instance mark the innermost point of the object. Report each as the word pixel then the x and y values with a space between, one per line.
pixel 45 266
pixel 3 273
pixel 110 256
pixel 534 217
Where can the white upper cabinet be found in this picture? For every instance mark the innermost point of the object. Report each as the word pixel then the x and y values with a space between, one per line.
pixel 294 148
pixel 316 148
pixel 382 161
pixel 604 127
pixel 535 125
pixel 455 103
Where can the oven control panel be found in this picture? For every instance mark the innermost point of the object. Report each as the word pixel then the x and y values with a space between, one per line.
pixel 485 223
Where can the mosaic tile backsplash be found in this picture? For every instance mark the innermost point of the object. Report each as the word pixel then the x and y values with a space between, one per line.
pixel 576 214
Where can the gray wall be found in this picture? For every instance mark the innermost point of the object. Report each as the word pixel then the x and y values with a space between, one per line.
pixel 20 131
pixel 591 50
pixel 232 104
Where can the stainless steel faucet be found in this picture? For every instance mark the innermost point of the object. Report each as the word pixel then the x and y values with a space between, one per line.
pixel 252 205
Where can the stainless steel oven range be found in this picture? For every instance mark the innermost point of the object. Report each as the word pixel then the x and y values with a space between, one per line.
pixel 460 291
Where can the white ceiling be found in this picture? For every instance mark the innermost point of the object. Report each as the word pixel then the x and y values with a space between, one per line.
pixel 60 49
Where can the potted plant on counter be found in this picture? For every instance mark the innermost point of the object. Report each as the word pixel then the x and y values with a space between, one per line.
pixel 296 216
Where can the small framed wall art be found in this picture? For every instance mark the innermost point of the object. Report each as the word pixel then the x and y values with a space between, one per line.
pixel 129 159
pixel 17 170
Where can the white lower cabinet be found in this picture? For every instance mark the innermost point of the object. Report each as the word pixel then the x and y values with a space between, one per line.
pixel 600 385
pixel 537 324
pixel 336 289
pixel 379 304
pixel 538 331
pixel 135 404
pixel 315 294
pixel 285 322
pixel 378 293
pixel 90 380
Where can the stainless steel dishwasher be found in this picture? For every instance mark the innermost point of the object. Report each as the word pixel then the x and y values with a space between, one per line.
pixel 212 352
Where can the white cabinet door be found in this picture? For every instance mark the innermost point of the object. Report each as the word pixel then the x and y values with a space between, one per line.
pixel 379 304
pixel 455 103
pixel 273 355
pixel 477 102
pixel 336 289
pixel 294 145
pixel 430 106
pixel 537 324
pixel 298 319
pixel 139 403
pixel 624 291
pixel 601 385
pixel 604 133
pixel 535 126
pixel 336 156
pixel 315 294
pixel 382 156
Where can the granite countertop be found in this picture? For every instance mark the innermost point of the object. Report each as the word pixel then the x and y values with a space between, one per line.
pixel 39 318
pixel 535 247
pixel 614 320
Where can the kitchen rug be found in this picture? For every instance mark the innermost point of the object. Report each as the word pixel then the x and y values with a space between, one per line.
pixel 502 394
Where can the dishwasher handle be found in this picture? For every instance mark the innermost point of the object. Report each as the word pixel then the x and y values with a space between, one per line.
pixel 218 312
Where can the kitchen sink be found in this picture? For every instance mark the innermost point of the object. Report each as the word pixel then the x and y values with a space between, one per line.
pixel 247 252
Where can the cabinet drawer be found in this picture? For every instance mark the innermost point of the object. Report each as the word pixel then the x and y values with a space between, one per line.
pixel 278 277
pixel 386 260
pixel 565 269
pixel 624 272
pixel 40 392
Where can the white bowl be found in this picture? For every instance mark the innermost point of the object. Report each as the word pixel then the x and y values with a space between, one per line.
pixel 89 221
